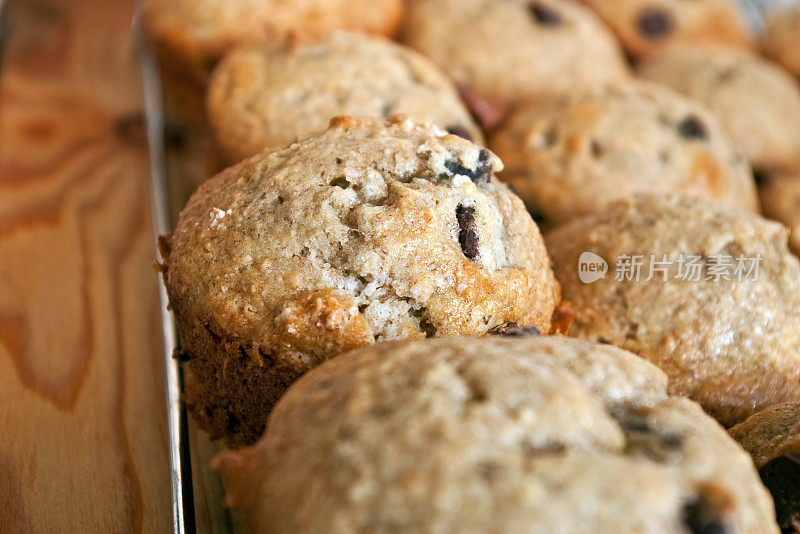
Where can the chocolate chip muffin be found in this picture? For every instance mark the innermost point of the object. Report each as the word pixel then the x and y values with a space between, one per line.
pixel 571 158
pixel 757 103
pixel 714 304
pixel 779 193
pixel 772 437
pixel 371 231
pixel 192 34
pixel 511 50
pixel 646 26
pixel 782 38
pixel 261 98
pixel 535 434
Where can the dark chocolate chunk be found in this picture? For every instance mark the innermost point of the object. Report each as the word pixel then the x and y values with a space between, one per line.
pixel 597 148
pixel 460 131
pixel 543 14
pixel 655 23
pixel 428 328
pixel 482 172
pixel 636 425
pixel 670 441
pixel 781 476
pixel 692 128
pixel 468 235
pixel 514 330
pixel 701 516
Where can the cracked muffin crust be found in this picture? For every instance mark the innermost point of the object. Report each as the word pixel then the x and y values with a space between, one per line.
pixel 192 34
pixel 757 103
pixel 373 230
pixel 570 158
pixel 779 193
pixel 772 437
pixel 646 26
pixel 262 98
pixel 782 38
pixel 732 345
pixel 535 434
pixel 511 50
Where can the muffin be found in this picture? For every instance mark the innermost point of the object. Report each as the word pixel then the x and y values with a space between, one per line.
pixel 772 437
pixel 511 50
pixel 371 231
pixel 535 434
pixel 782 38
pixel 571 158
pixel 647 26
pixel 190 35
pixel 714 304
pixel 263 98
pixel 779 193
pixel 757 103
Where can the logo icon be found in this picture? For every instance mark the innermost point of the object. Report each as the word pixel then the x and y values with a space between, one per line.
pixel 591 267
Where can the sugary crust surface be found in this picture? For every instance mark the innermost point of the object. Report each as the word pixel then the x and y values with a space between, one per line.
pixel 732 345
pixel 757 103
pixel 262 98
pixel 193 34
pixel 647 26
pixel 772 437
pixel 373 230
pixel 509 51
pixel 572 157
pixel 770 433
pixel 544 434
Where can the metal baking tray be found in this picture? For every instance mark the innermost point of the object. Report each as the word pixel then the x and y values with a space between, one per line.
pixel 179 161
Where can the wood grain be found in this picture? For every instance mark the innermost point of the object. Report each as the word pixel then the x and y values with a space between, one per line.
pixel 83 446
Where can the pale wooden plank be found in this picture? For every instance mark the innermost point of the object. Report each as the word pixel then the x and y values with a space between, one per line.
pixel 83 446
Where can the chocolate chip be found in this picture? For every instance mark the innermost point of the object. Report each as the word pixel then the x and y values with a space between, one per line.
pixel 726 75
pixel 482 172
pixel 702 516
pixel 671 441
pixel 460 131
pixel 597 148
pixel 655 23
pixel 338 161
pixel 636 425
pixel 553 447
pixel 692 128
pixel 468 235
pixel 544 15
pixel 759 176
pixel 781 476
pixel 428 328
pixel 514 330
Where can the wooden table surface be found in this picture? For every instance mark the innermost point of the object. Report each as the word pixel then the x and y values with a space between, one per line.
pixel 83 435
